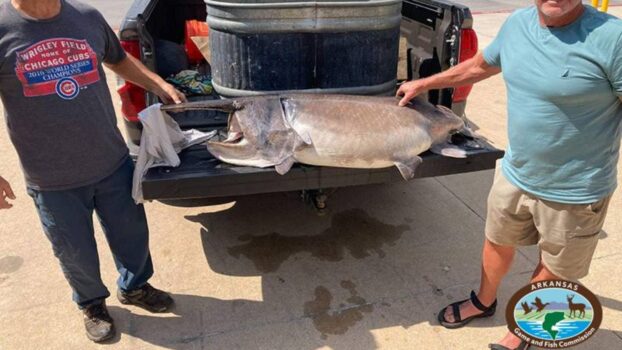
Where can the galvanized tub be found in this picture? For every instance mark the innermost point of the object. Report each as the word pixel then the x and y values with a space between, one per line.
pixel 322 46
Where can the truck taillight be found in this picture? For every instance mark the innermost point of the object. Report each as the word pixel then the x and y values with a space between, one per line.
pixel 468 49
pixel 132 96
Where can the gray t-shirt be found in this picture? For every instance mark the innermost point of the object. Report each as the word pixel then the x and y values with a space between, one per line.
pixel 58 108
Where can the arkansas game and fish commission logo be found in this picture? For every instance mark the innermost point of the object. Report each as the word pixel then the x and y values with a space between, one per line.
pixel 59 66
pixel 554 314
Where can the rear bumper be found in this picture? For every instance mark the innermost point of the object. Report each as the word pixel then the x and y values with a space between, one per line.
pixel 202 176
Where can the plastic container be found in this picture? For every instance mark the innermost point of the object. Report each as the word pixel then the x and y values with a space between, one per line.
pixel 314 46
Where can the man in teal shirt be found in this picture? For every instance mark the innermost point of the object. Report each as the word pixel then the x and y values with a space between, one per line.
pixel 562 65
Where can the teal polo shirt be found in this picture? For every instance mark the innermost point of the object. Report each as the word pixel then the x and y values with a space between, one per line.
pixel 564 112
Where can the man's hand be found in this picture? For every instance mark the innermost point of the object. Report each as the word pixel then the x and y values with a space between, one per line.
pixel 5 192
pixel 466 73
pixel 133 70
pixel 410 90
pixel 169 95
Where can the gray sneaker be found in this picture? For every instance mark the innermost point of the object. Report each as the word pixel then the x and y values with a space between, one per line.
pixel 98 323
pixel 147 297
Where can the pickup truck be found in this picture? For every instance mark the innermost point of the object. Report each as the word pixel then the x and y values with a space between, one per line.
pixel 436 35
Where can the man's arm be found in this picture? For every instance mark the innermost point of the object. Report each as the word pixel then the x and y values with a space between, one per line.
pixel 466 73
pixel 5 192
pixel 133 70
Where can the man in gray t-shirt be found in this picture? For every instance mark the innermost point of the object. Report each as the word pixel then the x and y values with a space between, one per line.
pixel 61 120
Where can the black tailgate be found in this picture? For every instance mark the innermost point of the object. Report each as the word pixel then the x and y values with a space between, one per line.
pixel 200 175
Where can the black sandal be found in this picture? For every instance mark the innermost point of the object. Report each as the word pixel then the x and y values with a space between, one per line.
pixel 458 321
pixel 522 346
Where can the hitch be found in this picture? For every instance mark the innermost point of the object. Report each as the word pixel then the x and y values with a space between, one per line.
pixel 317 199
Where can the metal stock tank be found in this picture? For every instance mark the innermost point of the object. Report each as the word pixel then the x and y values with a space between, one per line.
pixel 327 46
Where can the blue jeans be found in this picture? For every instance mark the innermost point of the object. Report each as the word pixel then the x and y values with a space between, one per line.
pixel 67 218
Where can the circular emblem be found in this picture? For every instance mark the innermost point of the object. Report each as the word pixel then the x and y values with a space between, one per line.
pixel 554 314
pixel 67 88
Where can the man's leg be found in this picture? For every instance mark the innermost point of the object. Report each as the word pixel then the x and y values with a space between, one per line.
pixel 541 273
pixel 125 225
pixel 508 223
pixel 496 262
pixel 67 221
pixel 569 255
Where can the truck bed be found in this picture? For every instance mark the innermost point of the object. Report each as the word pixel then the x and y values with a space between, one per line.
pixel 432 32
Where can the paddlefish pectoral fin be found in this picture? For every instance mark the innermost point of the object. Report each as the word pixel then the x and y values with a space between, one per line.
pixel 470 133
pixel 301 141
pixel 407 168
pixel 448 150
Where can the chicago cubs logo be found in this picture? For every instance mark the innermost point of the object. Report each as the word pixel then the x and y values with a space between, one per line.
pixel 554 314
pixel 58 66
pixel 67 88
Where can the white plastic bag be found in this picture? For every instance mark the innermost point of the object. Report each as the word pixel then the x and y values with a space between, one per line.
pixel 160 142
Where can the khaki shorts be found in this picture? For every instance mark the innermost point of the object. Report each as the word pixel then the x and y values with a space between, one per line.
pixel 566 234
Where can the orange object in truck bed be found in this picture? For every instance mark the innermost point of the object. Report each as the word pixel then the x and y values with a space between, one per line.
pixel 194 28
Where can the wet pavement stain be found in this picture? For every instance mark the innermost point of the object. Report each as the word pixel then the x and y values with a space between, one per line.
pixel 354 295
pixel 336 322
pixel 353 231
pixel 10 264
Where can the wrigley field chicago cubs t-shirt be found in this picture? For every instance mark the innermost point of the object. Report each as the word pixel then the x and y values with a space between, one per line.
pixel 58 108
pixel 564 110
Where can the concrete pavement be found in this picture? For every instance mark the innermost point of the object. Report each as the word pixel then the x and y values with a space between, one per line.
pixel 264 272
